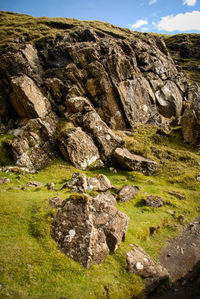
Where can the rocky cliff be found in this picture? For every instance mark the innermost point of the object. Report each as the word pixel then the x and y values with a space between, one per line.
pixel 67 93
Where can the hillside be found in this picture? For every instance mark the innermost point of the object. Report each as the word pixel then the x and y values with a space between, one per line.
pixel 87 110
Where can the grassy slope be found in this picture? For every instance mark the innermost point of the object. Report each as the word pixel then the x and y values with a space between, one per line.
pixel 31 266
pixel 19 27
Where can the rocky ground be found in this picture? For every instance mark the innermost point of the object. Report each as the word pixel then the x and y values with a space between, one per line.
pixel 181 257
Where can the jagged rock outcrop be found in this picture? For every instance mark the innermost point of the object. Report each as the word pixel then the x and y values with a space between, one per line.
pixel 95 79
pixel 88 229
pixel 140 263
pixel 130 161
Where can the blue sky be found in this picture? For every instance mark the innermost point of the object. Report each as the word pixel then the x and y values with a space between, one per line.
pixel 163 16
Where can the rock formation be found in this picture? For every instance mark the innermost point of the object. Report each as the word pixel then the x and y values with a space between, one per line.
pixel 97 80
pixel 140 263
pixel 88 229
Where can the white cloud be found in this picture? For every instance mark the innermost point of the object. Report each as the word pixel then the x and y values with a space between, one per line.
pixel 189 2
pixel 152 2
pixel 144 29
pixel 180 22
pixel 139 24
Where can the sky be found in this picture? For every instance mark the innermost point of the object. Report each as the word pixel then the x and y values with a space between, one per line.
pixel 161 16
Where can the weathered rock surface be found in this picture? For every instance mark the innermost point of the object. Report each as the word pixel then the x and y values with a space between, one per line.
pixel 80 183
pixel 140 263
pixel 127 192
pixel 106 197
pixel 98 81
pixel 130 161
pixel 190 121
pixel 78 147
pixel 153 201
pixel 88 229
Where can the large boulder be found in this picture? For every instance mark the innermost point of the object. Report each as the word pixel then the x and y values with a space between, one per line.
pixel 130 161
pixel 88 229
pixel 27 98
pixel 190 121
pixel 140 263
pixel 169 100
pixel 34 144
pixel 78 147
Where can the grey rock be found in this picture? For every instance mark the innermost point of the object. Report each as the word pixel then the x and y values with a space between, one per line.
pixel 140 263
pixel 127 192
pixel 153 201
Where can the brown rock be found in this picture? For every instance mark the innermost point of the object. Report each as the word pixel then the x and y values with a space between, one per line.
pixel 190 121
pixel 140 263
pixel 34 184
pixel 127 192
pixel 4 180
pixel 55 202
pixel 87 230
pixel 106 197
pixel 78 183
pixel 153 201
pixel 27 99
pixel 99 183
pixel 78 147
pixel 134 162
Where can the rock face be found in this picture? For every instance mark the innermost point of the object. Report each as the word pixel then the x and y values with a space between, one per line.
pixel 99 82
pixel 79 148
pixel 190 122
pixel 134 162
pixel 88 229
pixel 140 263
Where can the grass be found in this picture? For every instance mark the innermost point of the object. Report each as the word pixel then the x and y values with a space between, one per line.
pixel 18 28
pixel 31 266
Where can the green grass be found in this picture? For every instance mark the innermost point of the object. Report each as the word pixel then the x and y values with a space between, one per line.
pixel 31 266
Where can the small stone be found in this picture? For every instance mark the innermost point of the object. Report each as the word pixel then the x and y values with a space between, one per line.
pixel 35 184
pixel 4 180
pixel 153 201
pixel 127 192
pixel 51 186
pixel 182 250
